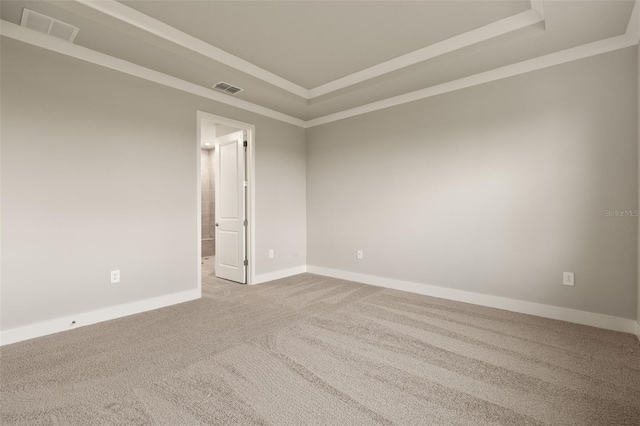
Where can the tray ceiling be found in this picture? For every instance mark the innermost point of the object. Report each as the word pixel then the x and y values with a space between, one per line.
pixel 311 59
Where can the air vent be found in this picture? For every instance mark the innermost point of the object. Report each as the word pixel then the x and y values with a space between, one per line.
pixel 45 24
pixel 227 88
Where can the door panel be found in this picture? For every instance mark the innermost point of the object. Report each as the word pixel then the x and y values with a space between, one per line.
pixel 229 181
pixel 229 248
pixel 230 207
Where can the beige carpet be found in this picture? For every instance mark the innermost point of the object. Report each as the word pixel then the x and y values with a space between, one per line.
pixel 310 350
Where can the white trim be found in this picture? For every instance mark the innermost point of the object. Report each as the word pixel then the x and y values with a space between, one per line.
pixel 538 6
pixel 199 204
pixel 146 23
pixel 8 29
pixel 478 35
pixel 633 28
pixel 282 273
pixel 546 311
pixel 251 198
pixel 552 59
pixel 153 26
pixel 251 227
pixel 35 38
pixel 87 318
pixel 638 329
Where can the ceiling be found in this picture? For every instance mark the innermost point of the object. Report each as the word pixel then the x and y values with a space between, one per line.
pixel 312 59
pixel 312 43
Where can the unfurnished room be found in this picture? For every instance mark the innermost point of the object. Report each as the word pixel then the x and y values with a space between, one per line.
pixel 319 212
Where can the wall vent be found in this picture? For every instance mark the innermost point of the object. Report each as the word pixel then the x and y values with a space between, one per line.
pixel 227 88
pixel 45 24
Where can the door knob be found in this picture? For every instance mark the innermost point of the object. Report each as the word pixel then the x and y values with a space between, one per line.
pixel 217 224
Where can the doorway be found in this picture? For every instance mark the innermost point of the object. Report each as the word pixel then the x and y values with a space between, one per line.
pixel 225 199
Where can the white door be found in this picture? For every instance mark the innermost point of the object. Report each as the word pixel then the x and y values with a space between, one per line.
pixel 230 214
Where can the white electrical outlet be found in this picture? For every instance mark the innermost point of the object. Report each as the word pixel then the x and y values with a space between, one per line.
pixel 568 278
pixel 115 276
pixel 359 254
pixel 271 254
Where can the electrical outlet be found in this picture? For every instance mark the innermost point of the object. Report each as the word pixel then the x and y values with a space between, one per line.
pixel 115 276
pixel 568 278
pixel 359 254
pixel 271 254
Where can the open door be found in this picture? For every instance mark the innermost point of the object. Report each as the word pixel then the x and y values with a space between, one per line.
pixel 230 212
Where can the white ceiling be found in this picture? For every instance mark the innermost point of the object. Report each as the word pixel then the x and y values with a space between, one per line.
pixel 278 50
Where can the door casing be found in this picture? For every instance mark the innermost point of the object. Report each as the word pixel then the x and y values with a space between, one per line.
pixel 204 118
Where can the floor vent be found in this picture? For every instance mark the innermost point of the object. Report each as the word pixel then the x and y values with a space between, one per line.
pixel 227 88
pixel 45 24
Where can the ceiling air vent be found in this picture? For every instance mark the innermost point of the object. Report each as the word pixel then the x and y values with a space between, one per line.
pixel 44 24
pixel 227 88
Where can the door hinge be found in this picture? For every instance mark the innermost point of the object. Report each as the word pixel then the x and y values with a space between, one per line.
pixel 246 262
pixel 244 143
pixel 245 183
pixel 246 222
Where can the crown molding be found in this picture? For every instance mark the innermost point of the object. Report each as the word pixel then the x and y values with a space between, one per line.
pixel 630 38
pixel 538 6
pixel 35 38
pixel 487 32
pixel 146 23
pixel 633 28
pixel 546 61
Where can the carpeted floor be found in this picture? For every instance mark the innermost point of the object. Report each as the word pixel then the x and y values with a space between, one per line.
pixel 310 350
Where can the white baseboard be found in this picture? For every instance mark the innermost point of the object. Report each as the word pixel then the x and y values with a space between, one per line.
pixel 547 311
pixel 276 275
pixel 638 329
pixel 87 318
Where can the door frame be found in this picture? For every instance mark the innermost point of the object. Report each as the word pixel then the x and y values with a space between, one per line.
pixel 205 117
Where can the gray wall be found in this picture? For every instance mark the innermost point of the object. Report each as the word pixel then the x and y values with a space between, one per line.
pixel 208 207
pixel 99 173
pixel 283 226
pixel 494 189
